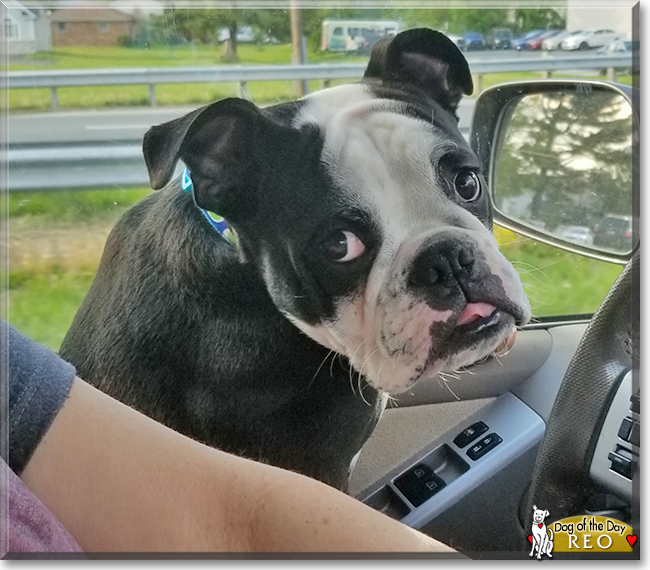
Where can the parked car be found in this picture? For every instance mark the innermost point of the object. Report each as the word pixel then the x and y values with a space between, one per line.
pixel 555 42
pixel 245 35
pixel 458 40
pixel 614 232
pixel 474 41
pixel 536 42
pixel 500 38
pixel 577 234
pixel 520 41
pixel 590 39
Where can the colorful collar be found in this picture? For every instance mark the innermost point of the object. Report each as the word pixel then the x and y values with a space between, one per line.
pixel 215 220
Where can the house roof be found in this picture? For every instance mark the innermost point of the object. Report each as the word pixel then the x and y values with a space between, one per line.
pixel 90 15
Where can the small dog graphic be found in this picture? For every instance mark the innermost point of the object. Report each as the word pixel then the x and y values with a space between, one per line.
pixel 541 540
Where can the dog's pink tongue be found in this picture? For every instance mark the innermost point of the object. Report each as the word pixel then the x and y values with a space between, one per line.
pixel 475 311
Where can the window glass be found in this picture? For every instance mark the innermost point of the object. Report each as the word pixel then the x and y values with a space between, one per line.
pixel 75 172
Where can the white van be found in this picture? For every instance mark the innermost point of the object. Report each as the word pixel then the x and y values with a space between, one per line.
pixel 349 35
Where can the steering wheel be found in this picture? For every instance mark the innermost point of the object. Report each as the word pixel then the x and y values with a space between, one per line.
pixel 609 347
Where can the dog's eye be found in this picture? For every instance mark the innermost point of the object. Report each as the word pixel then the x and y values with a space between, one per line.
pixel 343 246
pixel 467 185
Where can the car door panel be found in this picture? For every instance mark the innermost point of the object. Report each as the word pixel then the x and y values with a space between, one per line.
pixel 407 436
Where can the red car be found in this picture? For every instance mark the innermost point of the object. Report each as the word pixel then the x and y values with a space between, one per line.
pixel 536 43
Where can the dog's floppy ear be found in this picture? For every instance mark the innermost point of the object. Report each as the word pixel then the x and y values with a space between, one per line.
pixel 161 145
pixel 425 59
pixel 219 144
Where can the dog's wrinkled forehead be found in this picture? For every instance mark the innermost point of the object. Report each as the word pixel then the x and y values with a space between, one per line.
pixel 386 152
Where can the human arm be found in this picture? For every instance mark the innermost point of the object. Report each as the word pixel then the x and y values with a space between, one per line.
pixel 119 481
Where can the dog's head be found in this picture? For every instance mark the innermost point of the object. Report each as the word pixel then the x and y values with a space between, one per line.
pixel 539 515
pixel 364 210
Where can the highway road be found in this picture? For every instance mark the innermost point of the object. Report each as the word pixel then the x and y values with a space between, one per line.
pixel 110 126
pixel 101 147
pixel 85 149
pixel 97 126
pixel 129 124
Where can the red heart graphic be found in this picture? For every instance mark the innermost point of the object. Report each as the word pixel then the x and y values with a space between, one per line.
pixel 631 538
pixel 530 538
pixel 540 525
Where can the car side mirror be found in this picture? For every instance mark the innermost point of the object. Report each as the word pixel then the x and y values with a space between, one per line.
pixel 562 163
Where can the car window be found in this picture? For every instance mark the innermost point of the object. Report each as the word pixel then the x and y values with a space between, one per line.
pixel 75 171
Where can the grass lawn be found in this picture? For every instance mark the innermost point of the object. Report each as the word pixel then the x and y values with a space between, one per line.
pixel 56 239
pixel 557 282
pixel 43 305
pixel 44 209
pixel 77 57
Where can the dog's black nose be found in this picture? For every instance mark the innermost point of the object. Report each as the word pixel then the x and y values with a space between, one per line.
pixel 442 266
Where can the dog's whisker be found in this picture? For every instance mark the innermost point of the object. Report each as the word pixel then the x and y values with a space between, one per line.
pixel 361 372
pixel 335 355
pixel 350 373
pixel 361 390
pixel 447 386
pixel 321 366
pixel 445 374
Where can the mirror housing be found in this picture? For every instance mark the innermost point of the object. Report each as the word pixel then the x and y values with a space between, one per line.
pixel 493 112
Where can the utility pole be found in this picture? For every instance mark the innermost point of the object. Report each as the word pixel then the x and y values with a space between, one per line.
pixel 299 45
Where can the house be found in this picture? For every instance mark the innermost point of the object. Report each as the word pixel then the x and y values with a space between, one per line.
pixel 90 26
pixel 601 14
pixel 24 30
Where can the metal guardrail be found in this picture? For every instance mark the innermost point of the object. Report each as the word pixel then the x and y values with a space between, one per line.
pixel 242 74
pixel 87 166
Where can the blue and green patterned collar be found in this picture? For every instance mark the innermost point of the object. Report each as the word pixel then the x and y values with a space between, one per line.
pixel 216 221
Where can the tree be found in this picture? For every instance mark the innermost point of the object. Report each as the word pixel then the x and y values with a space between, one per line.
pixel 538 18
pixel 570 153
pixel 202 25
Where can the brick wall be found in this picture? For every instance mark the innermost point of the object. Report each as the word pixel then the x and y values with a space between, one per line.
pixel 89 33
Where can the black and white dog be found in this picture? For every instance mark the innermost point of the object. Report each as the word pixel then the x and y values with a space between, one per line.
pixel 364 232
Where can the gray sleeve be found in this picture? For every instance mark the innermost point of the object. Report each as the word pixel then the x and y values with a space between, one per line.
pixel 39 382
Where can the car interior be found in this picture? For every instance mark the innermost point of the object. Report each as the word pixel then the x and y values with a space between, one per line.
pixel 555 422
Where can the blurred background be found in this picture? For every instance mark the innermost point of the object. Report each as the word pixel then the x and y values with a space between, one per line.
pixel 85 80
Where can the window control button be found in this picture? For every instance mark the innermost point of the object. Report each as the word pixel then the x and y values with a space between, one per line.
pixel 635 434
pixel 635 405
pixel 621 465
pixel 624 430
pixel 470 434
pixel 419 484
pixel 414 476
pixel 480 448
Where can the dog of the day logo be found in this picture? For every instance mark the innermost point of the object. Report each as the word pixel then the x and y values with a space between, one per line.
pixel 541 538
pixel 585 534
